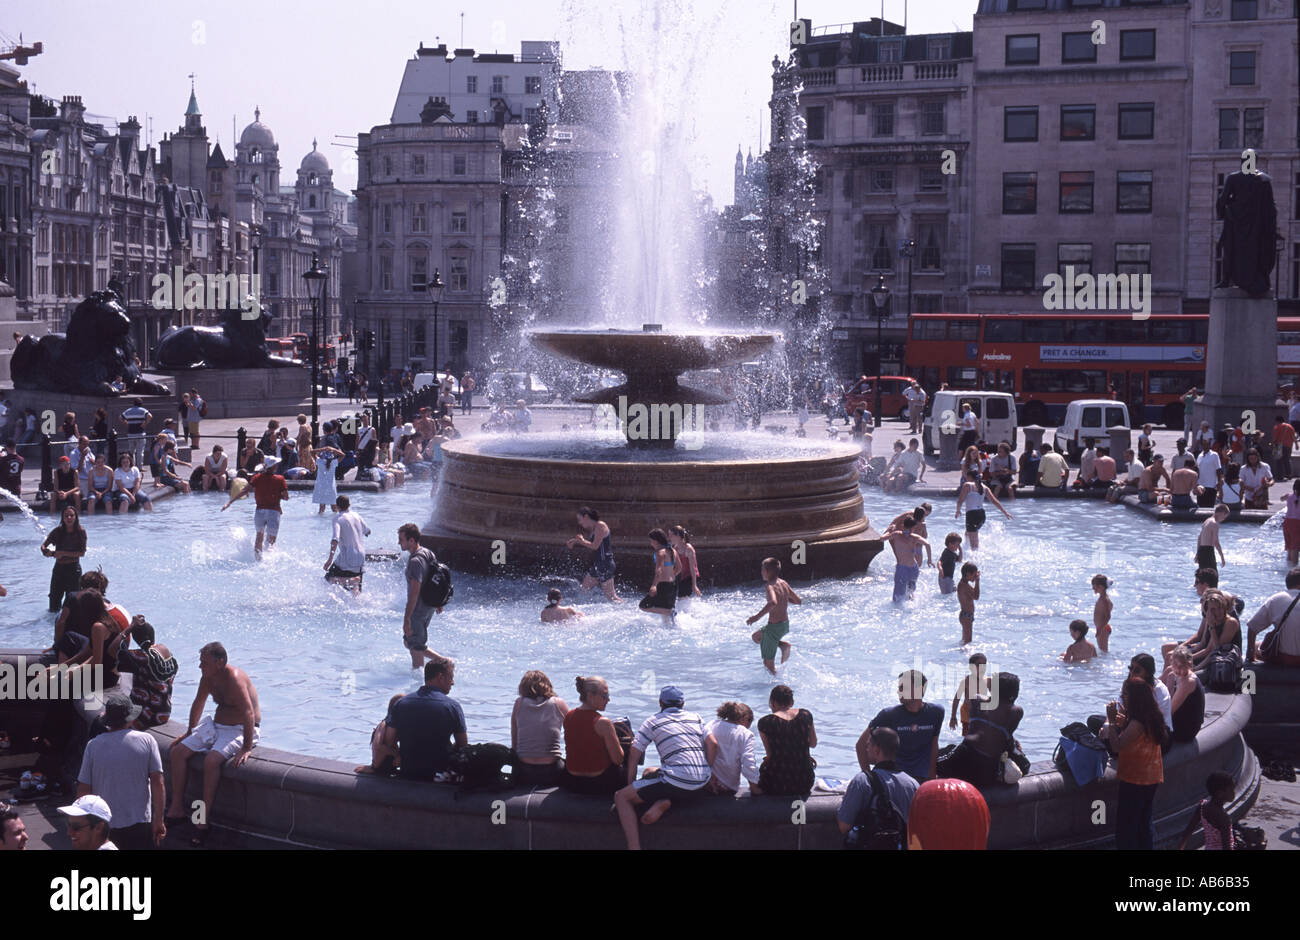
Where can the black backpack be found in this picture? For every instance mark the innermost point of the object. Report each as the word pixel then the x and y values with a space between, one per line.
pixel 1224 672
pixel 479 766
pixel 879 825
pixel 436 590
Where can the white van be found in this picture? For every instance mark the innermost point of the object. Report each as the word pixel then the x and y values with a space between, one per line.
pixel 995 414
pixel 1085 418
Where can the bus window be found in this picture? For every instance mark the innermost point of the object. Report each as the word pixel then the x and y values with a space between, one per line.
pixel 1003 331
pixel 962 376
pixel 966 330
pixel 999 380
pixel 929 329
pixel 1174 382
pixel 998 408
pixel 1171 331
pixel 1085 331
pixel 1126 331
pixel 1044 331
pixel 1114 416
pixel 1076 381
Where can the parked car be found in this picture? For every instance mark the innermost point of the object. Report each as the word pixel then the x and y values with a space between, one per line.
pixel 1088 417
pixel 995 414
pixel 862 394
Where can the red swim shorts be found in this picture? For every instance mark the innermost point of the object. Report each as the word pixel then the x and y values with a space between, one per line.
pixel 1291 533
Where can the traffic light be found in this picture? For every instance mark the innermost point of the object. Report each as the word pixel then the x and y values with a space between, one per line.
pixel 369 339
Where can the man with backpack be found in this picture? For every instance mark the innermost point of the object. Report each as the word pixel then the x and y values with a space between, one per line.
pixel 428 588
pixel 873 813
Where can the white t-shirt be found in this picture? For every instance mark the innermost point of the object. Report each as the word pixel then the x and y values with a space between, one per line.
pixel 126 480
pixel 909 461
pixel 350 531
pixel 1272 609
pixel 1135 471
pixel 915 397
pixel 735 753
pixel 1252 478
pixel 1209 466
pixel 968 421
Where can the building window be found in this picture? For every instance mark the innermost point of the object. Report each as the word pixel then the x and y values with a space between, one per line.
pixel 1133 191
pixel 1018 266
pixel 1078 122
pixel 532 115
pixel 418 265
pixel 417 164
pixel 388 165
pixel 1137 121
pixel 883 119
pixel 1029 5
pixel 1132 258
pixel 1022 50
pixel 1019 193
pixel 1078 47
pixel 311 201
pixel 882 180
pixel 882 258
pixel 386 214
pixel 1076 192
pixel 471 84
pixel 419 221
pixel 1295 269
pixel 498 84
pixel 458 165
pixel 1295 199
pixel 1228 129
pixel 1252 128
pixel 1078 256
pixel 459 282
pixel 889 51
pixel 1137 44
pixel 1245 9
pixel 273 283
pixel 816 123
pixel 386 272
pixel 1019 124
pixel 927 303
pixel 938 48
pixel 930 255
pixel 933 114
pixel 417 339
pixel 471 117
pixel 1241 68
pixel 931 179
pixel 460 222
pixel 532 85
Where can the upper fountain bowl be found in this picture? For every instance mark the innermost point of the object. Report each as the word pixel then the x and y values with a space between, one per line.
pixel 653 351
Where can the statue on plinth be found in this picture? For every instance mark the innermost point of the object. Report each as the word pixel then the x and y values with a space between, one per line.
pixel 239 343
pixel 1249 224
pixel 96 355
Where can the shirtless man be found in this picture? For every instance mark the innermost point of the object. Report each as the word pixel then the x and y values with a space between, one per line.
pixel 918 528
pixel 229 734
pixel 1182 488
pixel 553 612
pixel 779 594
pixel 1149 490
pixel 906 544
pixel 1208 540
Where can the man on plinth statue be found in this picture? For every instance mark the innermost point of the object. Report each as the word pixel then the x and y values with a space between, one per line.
pixel 1249 225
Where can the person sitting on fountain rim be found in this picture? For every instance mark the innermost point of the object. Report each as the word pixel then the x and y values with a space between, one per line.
pixel 11 468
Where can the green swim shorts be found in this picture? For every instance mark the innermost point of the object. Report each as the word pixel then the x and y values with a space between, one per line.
pixel 772 633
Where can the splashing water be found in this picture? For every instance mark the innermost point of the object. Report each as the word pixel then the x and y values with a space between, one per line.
pixel 23 508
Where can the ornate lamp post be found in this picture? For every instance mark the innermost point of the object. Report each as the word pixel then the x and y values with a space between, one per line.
pixel 315 276
pixel 434 287
pixel 880 297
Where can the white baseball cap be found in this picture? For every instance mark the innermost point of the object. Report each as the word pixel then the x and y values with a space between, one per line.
pixel 89 805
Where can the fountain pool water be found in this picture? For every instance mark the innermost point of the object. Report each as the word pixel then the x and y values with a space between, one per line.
pixel 325 663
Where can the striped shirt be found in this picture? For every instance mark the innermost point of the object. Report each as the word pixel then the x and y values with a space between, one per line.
pixel 135 417
pixel 678 737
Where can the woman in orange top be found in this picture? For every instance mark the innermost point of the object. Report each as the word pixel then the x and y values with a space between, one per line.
pixel 1138 733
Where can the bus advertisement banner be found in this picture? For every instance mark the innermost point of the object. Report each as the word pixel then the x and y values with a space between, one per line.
pixel 1121 353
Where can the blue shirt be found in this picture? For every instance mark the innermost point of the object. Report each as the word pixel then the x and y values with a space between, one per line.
pixel 425 722
pixel 899 784
pixel 917 733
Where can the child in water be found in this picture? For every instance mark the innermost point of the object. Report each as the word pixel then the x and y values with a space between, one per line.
pixel 1101 610
pixel 968 592
pixel 778 618
pixel 1080 650
pixel 978 686
pixel 553 612
pixel 948 563
pixel 238 490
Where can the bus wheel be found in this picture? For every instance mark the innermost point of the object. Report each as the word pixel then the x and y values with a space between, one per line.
pixel 1034 412
pixel 1172 415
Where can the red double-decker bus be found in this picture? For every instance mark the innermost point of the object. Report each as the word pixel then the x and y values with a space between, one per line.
pixel 1049 360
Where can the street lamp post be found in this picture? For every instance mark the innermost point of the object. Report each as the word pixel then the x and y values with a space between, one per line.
pixel 434 287
pixel 880 297
pixel 315 276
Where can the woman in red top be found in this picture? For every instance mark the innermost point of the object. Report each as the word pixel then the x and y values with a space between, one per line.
pixel 593 756
pixel 1138 733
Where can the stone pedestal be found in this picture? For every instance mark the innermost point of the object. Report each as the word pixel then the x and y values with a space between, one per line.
pixel 1119 440
pixel 1033 437
pixel 949 458
pixel 1240 361
pixel 236 393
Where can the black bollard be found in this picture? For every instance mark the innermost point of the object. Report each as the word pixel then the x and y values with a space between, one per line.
pixel 241 441
pixel 380 395
pixel 112 449
pixel 47 466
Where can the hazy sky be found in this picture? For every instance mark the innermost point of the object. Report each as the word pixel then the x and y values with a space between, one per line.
pixel 332 69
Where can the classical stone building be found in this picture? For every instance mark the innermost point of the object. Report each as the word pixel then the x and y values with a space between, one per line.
pixel 481 87
pixel 16 231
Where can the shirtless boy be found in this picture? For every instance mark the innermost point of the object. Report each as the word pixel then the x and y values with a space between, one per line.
pixel 553 612
pixel 1208 541
pixel 968 592
pixel 229 734
pixel 906 544
pixel 1101 611
pixel 978 686
pixel 1080 650
pixel 779 594
pixel 1149 490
